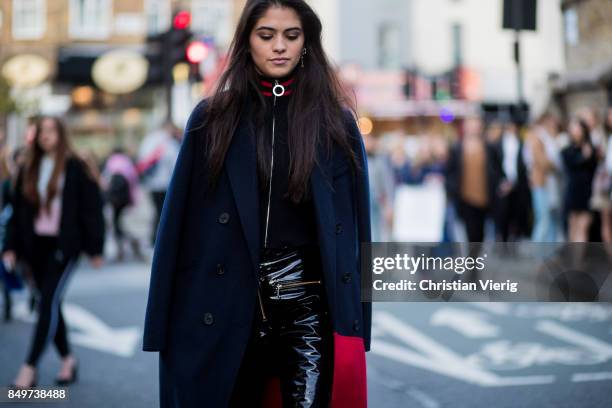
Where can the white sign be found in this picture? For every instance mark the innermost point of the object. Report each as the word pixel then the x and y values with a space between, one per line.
pixel 419 213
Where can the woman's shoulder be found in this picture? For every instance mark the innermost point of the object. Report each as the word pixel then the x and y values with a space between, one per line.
pixel 75 164
pixel 349 116
pixel 198 114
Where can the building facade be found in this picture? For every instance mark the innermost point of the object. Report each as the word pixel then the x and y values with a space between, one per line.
pixel 56 42
pixel 588 56
pixel 433 37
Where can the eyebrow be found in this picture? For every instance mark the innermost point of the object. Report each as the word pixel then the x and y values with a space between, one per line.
pixel 273 29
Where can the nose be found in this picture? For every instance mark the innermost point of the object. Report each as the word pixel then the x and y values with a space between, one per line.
pixel 279 45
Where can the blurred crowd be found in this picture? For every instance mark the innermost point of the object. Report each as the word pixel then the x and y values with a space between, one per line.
pixel 546 181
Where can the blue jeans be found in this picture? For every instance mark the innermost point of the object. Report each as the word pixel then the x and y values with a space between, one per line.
pixel 546 218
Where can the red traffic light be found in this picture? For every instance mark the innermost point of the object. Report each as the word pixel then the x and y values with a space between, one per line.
pixel 182 19
pixel 197 52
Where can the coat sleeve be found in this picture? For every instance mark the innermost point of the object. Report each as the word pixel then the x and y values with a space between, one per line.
pixel 90 216
pixel 362 205
pixel 167 240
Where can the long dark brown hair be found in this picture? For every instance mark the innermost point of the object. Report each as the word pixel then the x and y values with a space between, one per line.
pixel 34 156
pixel 317 102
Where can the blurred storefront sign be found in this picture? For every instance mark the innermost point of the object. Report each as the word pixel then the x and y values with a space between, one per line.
pixel 75 62
pixel 396 94
pixel 120 71
pixel 26 70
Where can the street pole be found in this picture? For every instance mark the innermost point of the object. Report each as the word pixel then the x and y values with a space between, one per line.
pixel 519 68
pixel 518 24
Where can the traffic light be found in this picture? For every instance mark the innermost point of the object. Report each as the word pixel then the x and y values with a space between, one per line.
pixel 197 52
pixel 177 39
pixel 166 50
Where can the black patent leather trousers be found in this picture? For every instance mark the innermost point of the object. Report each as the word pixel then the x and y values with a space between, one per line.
pixel 291 336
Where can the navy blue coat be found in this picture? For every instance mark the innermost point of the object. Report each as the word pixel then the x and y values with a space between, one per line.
pixel 202 296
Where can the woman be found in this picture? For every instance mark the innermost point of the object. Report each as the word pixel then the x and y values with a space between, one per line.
pixel 543 160
pixel 120 182
pixel 580 161
pixel 57 213
pixel 255 286
pixel 606 214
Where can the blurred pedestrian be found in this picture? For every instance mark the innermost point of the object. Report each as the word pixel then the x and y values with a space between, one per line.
pixel 90 158
pixel 599 196
pixel 494 133
pixel 513 212
pixel 57 213
pixel 606 215
pixel 21 270
pixel 580 160
pixel 381 190
pixel 120 181
pixel 255 279
pixel 157 157
pixel 543 160
pixel 473 177
pixel 30 131
pixel 4 215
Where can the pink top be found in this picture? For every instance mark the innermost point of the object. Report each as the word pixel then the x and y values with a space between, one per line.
pixel 48 222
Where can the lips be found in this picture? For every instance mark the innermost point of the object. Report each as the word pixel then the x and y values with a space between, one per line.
pixel 279 60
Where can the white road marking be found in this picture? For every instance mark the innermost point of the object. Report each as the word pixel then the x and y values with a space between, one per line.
pixel 468 323
pixel 91 331
pixel 500 309
pixel 583 377
pixel 434 357
pixel 571 336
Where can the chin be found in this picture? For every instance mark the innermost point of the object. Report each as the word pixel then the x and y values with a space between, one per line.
pixel 279 72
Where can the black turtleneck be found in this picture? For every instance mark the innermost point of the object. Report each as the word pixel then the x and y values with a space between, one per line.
pixel 289 224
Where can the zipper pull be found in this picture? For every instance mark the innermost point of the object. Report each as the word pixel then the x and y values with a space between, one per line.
pixel 277 90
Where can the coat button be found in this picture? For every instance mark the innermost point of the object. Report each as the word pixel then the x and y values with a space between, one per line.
pixel 224 218
pixel 356 325
pixel 220 269
pixel 346 278
pixel 338 228
pixel 208 319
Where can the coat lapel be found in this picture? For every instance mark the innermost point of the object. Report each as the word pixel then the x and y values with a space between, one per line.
pixel 241 165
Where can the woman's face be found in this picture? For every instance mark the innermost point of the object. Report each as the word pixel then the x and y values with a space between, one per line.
pixel 575 132
pixel 276 42
pixel 48 137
